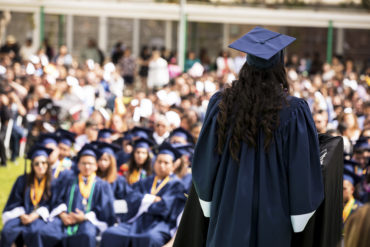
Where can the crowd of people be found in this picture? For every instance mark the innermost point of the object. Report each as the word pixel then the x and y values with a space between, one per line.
pixel 134 123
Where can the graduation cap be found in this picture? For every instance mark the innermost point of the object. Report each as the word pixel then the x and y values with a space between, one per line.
pixel 66 137
pixel 104 147
pixel 143 143
pixel 183 133
pixel 142 132
pixel 362 144
pixel 264 48
pixel 49 138
pixel 105 133
pixel 167 148
pixel 185 149
pixel 89 150
pixel 349 172
pixel 38 150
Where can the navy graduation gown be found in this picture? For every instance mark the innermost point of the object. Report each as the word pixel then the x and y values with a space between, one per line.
pixel 100 216
pixel 122 158
pixel 19 203
pixel 121 189
pixel 252 203
pixel 151 227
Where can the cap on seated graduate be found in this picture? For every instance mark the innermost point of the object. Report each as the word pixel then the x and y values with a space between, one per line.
pixel 143 143
pixel 89 150
pixel 66 137
pixel 104 147
pixel 349 172
pixel 49 138
pixel 264 48
pixel 38 150
pixel 142 132
pixel 167 148
pixel 362 144
pixel 185 149
pixel 181 132
pixel 105 133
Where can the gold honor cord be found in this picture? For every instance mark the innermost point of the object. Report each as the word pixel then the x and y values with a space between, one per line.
pixel 156 189
pixel 86 188
pixel 348 208
pixel 37 189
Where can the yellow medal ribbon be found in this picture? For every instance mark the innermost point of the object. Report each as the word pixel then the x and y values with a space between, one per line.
pixel 134 177
pixel 58 169
pixel 86 188
pixel 156 189
pixel 348 208
pixel 37 190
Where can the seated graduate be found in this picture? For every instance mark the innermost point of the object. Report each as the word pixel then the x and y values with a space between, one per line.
pixel 105 135
pixel 350 179
pixel 107 171
pixel 27 208
pixel 123 156
pixel 183 165
pixel 140 163
pixel 181 136
pixel 83 208
pixel 65 143
pixel 158 200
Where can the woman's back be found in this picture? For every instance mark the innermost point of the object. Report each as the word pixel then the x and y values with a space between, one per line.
pixel 251 202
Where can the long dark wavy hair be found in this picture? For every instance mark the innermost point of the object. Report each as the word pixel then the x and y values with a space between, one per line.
pixel 30 180
pixel 252 102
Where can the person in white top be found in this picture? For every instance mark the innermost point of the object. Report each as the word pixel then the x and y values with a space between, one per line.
pixel 158 74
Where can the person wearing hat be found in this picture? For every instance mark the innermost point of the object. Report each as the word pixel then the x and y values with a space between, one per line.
pixel 123 156
pixel 181 136
pixel 159 199
pixel 65 143
pixel 141 132
pixel 140 164
pixel 83 208
pixel 183 165
pixel 107 171
pixel 50 140
pixel 256 165
pixel 105 135
pixel 350 179
pixel 27 208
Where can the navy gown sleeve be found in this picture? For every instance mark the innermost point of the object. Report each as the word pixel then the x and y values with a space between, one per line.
pixel 306 191
pixel 206 159
pixel 15 205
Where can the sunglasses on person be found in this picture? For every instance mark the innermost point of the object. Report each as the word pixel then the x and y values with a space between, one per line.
pixel 39 163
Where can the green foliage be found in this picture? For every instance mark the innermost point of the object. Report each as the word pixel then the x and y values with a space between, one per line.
pixel 8 175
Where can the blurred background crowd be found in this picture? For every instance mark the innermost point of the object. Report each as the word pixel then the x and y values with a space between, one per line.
pixel 44 90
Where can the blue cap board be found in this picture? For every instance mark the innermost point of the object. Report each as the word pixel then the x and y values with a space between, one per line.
pixel 264 48
pixel 143 143
pixel 88 150
pixel 49 138
pixel 181 132
pixel 105 133
pixel 362 144
pixel 104 147
pixel 66 137
pixel 142 132
pixel 185 149
pixel 38 150
pixel 349 172
pixel 167 148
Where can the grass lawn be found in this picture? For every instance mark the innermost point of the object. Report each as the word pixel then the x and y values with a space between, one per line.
pixel 8 175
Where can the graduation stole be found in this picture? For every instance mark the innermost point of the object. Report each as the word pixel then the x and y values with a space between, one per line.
pixel 156 189
pixel 86 189
pixel 348 208
pixel 71 230
pixel 58 169
pixel 37 190
pixel 134 177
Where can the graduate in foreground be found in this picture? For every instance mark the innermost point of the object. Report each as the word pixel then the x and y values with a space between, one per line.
pixel 83 208
pixel 27 208
pixel 159 199
pixel 256 166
